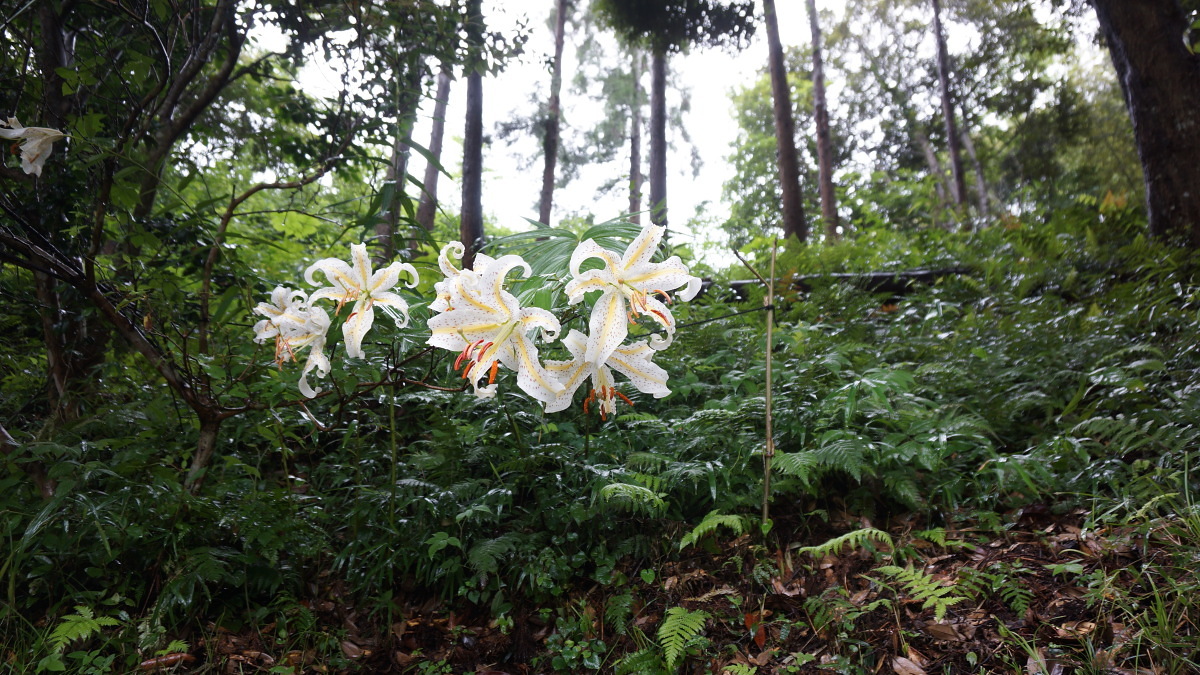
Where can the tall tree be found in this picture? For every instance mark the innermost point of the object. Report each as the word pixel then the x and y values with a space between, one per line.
pixel 635 137
pixel 553 115
pixel 667 26
pixel 470 228
pixel 824 138
pixel 953 141
pixel 1160 77
pixel 794 222
pixel 428 205
pixel 408 96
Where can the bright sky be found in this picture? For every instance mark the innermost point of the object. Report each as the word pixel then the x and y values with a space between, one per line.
pixel 510 194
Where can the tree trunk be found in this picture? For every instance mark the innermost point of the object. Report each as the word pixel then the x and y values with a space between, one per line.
pixel 553 116
pixel 824 139
pixel 33 468
pixel 470 229
pixel 952 138
pixel 1161 82
pixel 981 187
pixel 658 137
pixel 407 101
pixel 428 207
pixel 635 140
pixel 206 446
pixel 794 222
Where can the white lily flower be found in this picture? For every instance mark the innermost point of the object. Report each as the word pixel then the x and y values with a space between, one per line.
pixel 454 278
pixel 366 289
pixel 631 279
pixel 488 327
pixel 631 360
pixel 311 335
pixel 287 309
pixel 294 325
pixel 36 143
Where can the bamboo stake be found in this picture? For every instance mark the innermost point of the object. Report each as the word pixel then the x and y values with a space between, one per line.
pixel 769 304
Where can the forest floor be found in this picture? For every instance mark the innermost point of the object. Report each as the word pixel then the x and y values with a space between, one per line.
pixel 1042 594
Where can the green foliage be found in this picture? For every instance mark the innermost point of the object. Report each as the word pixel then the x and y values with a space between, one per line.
pixel 854 539
pixel 709 524
pixel 924 588
pixel 998 579
pixel 679 626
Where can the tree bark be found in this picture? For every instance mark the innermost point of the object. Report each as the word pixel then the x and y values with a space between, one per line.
pixel 553 116
pixel 658 137
pixel 952 137
pixel 981 186
pixel 824 138
pixel 794 222
pixel 428 206
pixel 33 468
pixel 1161 82
pixel 407 101
pixel 635 140
pixel 470 228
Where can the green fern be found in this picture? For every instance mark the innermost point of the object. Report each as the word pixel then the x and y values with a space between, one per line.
pixel 634 498
pixel 484 557
pixel 79 626
pixel 678 627
pixel 739 669
pixel 923 588
pixel 642 662
pixel 710 523
pixel 999 580
pixel 853 539
pixel 617 611
pixel 802 465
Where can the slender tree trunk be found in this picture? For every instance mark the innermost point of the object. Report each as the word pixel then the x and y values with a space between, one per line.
pixel 470 229
pixel 794 222
pixel 635 139
pixel 952 137
pixel 33 468
pixel 407 101
pixel 56 361
pixel 658 137
pixel 824 140
pixel 981 186
pixel 206 446
pixel 940 186
pixel 1161 82
pixel 553 116
pixel 428 207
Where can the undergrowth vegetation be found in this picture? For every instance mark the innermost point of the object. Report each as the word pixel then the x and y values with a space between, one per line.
pixel 954 456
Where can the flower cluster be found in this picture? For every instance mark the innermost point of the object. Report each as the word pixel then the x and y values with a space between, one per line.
pixel 486 326
pixel 295 321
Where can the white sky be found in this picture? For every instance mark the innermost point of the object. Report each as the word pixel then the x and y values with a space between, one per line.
pixel 510 194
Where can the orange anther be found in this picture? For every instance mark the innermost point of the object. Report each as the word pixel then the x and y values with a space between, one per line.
pixel 492 372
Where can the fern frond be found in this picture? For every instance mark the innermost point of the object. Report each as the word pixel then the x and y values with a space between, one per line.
pixel 802 465
pixel 924 588
pixel 679 625
pixel 642 662
pixel 709 524
pixel 853 539
pixel 739 669
pixel 617 611
pixel 485 556
pixel 81 625
pixel 635 498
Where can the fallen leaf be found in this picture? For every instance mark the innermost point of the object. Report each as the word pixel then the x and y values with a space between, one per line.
pixel 944 631
pixel 904 666
pixel 1075 629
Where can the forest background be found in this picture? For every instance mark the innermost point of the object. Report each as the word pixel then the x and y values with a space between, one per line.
pixel 935 411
